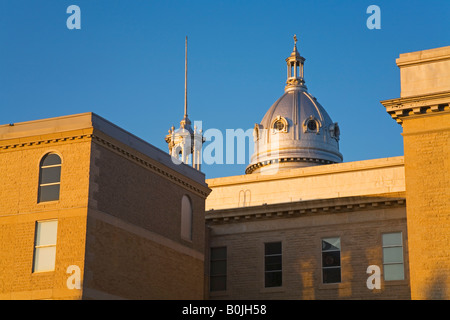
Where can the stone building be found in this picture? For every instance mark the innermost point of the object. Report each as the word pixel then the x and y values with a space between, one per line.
pixel 302 224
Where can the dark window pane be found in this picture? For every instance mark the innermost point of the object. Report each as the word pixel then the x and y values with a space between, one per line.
pixel 218 267
pixel 331 259
pixel 219 253
pixel 218 283
pixel 51 159
pixel 273 279
pixel 49 193
pixel 50 175
pixel 273 263
pixel 273 248
pixel 331 275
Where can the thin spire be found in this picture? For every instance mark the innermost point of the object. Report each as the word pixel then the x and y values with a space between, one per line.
pixel 185 81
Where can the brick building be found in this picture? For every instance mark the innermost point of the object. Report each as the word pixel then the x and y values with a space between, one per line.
pixel 301 224
pixel 80 196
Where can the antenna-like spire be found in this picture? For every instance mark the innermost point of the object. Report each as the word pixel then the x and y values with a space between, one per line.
pixel 185 82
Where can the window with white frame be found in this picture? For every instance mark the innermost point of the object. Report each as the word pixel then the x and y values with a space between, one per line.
pixel 393 268
pixel 45 245
pixel 49 178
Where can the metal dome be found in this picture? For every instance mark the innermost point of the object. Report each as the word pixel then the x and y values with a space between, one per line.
pixel 296 131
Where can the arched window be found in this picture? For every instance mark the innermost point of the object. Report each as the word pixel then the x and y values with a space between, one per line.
pixel 186 218
pixel 49 178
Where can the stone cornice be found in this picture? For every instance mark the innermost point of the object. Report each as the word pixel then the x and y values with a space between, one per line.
pixel 40 140
pixel 303 208
pixel 415 106
pixel 260 164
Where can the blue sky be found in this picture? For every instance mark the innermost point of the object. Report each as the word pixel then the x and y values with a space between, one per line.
pixel 126 63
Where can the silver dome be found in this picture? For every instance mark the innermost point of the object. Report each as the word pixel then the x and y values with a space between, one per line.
pixel 296 131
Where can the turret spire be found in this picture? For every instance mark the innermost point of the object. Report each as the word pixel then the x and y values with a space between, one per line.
pixel 185 123
pixel 295 63
pixel 185 143
pixel 185 80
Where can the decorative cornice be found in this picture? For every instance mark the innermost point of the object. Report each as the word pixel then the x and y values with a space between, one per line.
pixel 421 105
pixel 15 143
pixel 260 164
pixel 304 208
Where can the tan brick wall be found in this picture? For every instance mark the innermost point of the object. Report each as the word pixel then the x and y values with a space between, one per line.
pixel 427 171
pixel 134 245
pixel 127 264
pixel 361 236
pixel 19 211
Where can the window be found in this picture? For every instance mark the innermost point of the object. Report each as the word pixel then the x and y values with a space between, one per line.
pixel 45 246
pixel 272 264
pixel 218 269
pixel 331 260
pixel 186 218
pixel 312 125
pixel 393 256
pixel 279 124
pixel 49 178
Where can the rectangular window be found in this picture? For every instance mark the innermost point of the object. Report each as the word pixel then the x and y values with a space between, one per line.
pixel 331 260
pixel 393 256
pixel 218 269
pixel 45 245
pixel 272 264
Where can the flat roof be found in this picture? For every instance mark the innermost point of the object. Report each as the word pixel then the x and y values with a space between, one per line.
pixel 92 120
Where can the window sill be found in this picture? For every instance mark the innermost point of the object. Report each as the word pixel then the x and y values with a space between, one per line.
pixel 48 202
pixel 334 286
pixel 42 272
pixel 272 289
pixel 214 294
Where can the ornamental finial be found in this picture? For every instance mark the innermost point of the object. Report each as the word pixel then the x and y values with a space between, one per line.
pixel 295 39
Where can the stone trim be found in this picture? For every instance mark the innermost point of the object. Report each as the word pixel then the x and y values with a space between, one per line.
pixel 37 142
pixel 260 164
pixel 303 208
pixel 401 108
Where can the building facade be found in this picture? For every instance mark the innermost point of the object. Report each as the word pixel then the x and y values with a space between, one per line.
pixel 89 211
pixel 84 214
pixel 302 224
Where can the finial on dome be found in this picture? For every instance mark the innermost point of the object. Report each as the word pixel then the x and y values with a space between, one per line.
pixel 295 40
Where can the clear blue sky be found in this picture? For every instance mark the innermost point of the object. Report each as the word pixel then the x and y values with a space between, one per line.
pixel 127 63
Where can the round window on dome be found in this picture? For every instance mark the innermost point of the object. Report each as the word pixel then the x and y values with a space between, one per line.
pixel 312 125
pixel 279 125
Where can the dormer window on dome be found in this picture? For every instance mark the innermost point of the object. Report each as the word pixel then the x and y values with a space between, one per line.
pixel 280 124
pixel 311 125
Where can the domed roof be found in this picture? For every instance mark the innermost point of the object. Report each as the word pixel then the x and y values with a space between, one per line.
pixel 297 105
pixel 296 131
